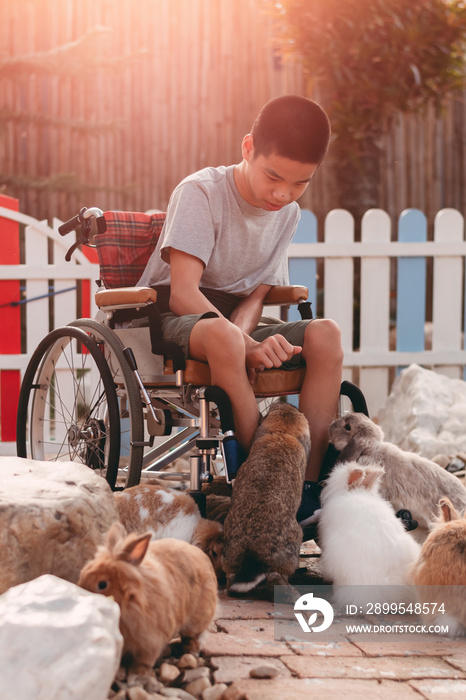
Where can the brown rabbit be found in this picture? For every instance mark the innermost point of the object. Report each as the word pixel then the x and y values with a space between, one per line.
pixel 262 537
pixel 440 572
pixel 164 588
pixel 169 513
pixel 409 480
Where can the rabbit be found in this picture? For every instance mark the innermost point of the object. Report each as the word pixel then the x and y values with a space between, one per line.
pixel 440 573
pixel 262 537
pixel 217 507
pixel 410 481
pixel 362 540
pixel 164 588
pixel 169 513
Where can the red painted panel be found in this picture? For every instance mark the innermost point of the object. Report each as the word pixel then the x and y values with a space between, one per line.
pixel 10 322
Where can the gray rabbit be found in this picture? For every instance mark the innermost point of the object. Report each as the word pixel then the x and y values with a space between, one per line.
pixel 410 481
pixel 262 538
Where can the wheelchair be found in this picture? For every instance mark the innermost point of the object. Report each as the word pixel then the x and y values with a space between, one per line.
pixel 110 393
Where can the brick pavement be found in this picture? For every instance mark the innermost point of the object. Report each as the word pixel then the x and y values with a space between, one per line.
pixel 346 667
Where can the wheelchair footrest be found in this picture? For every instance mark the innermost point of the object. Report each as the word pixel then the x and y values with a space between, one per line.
pixel 233 456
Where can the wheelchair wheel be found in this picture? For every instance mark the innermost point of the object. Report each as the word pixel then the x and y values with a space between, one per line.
pixel 68 407
pixel 129 398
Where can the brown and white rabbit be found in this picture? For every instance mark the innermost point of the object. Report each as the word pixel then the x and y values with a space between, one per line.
pixel 363 543
pixel 262 538
pixel 440 573
pixel 166 513
pixel 409 481
pixel 164 588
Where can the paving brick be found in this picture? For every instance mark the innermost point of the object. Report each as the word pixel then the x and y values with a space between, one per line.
pixel 441 647
pixel 334 644
pixel 244 637
pixel 458 661
pixel 437 689
pixel 241 608
pixel 326 689
pixel 233 668
pixel 394 668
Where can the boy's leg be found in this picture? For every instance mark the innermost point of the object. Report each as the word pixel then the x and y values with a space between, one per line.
pixel 318 400
pixel 221 344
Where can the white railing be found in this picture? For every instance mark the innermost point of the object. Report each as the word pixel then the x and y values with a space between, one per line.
pixel 388 337
pixel 392 288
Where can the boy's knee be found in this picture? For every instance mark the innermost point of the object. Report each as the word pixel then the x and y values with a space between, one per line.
pixel 222 336
pixel 323 336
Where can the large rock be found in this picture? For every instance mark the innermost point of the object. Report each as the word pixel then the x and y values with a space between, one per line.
pixel 52 516
pixel 57 642
pixel 426 413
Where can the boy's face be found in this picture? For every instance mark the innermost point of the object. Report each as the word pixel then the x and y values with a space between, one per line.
pixel 271 182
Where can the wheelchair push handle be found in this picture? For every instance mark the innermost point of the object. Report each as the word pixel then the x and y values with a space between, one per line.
pixel 82 224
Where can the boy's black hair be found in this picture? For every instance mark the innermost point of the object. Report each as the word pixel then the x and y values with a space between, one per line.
pixel 293 127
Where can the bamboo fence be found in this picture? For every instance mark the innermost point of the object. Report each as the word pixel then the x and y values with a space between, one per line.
pixel 111 103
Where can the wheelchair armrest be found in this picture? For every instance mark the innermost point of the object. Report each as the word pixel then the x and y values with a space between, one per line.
pixel 289 294
pixel 125 297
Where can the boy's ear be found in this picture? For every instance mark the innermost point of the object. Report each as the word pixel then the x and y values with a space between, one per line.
pixel 247 147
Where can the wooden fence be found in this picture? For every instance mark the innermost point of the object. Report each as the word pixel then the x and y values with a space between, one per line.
pixel 388 278
pixel 111 104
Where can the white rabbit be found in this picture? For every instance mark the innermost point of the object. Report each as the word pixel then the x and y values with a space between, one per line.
pixel 363 542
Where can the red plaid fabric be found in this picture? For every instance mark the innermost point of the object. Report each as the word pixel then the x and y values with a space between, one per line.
pixel 126 246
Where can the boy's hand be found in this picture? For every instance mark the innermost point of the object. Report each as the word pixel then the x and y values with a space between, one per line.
pixel 271 352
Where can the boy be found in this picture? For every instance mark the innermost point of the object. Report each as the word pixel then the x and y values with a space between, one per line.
pixel 224 246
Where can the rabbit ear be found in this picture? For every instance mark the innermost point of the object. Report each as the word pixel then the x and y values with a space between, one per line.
pixel 355 477
pixel 135 548
pixel 115 535
pixel 448 511
pixel 371 477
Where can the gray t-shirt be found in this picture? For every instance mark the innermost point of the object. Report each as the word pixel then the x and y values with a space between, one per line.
pixel 241 246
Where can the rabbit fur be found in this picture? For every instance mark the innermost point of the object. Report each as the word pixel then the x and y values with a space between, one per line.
pixel 262 538
pixel 362 540
pixel 440 573
pixel 410 481
pixel 164 588
pixel 165 513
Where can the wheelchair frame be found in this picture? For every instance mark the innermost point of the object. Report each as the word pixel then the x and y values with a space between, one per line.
pixel 127 400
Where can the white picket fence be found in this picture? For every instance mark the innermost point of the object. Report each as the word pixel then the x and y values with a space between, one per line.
pixel 372 363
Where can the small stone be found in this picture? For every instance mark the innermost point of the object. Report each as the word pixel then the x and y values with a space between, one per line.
pixel 215 692
pixel 137 693
pixel 177 693
pixel 151 685
pixel 233 693
pixel 264 671
pixel 188 661
pixel 135 679
pixel 168 673
pixel 198 686
pixel 193 674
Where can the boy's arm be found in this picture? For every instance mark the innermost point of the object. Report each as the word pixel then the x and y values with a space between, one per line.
pixel 186 298
pixel 185 274
pixel 249 310
pixel 272 351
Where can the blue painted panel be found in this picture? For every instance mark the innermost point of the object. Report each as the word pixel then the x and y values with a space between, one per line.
pixel 304 270
pixel 411 285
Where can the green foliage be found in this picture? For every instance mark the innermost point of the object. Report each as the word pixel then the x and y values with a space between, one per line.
pixel 373 57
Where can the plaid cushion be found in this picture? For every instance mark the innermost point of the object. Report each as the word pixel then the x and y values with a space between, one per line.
pixel 126 246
